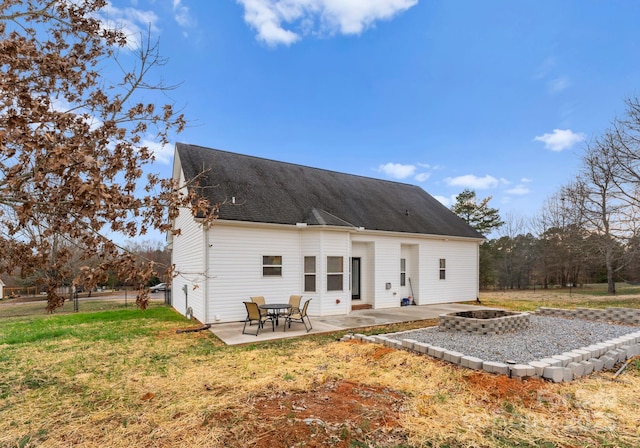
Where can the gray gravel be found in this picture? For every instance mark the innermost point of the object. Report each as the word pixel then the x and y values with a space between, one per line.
pixel 545 337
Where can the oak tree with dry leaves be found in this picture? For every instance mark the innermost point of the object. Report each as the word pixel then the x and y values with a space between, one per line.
pixel 72 147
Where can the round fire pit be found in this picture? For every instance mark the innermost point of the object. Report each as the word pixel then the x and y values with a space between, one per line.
pixel 484 321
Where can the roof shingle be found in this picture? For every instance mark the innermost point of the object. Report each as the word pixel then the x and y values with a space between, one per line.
pixel 283 193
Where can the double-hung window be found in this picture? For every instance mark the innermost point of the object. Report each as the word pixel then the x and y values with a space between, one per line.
pixel 335 273
pixel 403 272
pixel 310 274
pixel 443 268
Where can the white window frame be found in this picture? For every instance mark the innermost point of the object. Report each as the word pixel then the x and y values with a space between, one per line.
pixel 309 274
pixel 335 274
pixel 275 267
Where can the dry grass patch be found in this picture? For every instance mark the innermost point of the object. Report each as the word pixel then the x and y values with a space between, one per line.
pixel 162 389
pixel 588 296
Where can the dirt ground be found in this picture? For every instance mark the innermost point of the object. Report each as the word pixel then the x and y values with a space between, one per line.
pixel 345 413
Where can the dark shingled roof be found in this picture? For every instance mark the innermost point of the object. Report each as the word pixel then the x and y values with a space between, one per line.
pixel 283 193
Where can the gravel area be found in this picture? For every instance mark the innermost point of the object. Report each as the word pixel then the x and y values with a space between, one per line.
pixel 545 337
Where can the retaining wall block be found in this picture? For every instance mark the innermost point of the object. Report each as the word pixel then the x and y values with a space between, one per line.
pixel 608 361
pixel 552 362
pixel 634 350
pixel 421 347
pixel 568 374
pixel 598 364
pixel 618 342
pixel 471 362
pixel 539 367
pixel 452 357
pixel 408 343
pixel 554 373
pixel 436 352
pixel 577 368
pixel 625 349
pixel 379 339
pixel 575 357
pixel 586 354
pixel 602 348
pixel 588 367
pixel 609 346
pixel 495 367
pixel 594 351
pixel 393 343
pixel 617 354
pixel 563 358
pixel 522 371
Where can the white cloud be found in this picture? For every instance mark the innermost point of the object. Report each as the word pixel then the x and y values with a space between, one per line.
pixel 559 84
pixel 133 22
pixel 560 139
pixel 525 180
pixel 324 17
pixel 473 182
pixel 162 153
pixel 446 201
pixel 181 14
pixel 422 177
pixel 397 170
pixel 519 190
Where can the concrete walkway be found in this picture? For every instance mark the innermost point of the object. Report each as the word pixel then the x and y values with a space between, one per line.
pixel 231 333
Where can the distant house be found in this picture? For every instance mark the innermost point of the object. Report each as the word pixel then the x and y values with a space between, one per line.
pixel 337 238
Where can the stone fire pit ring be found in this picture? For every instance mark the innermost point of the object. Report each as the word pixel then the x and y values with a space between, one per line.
pixel 488 321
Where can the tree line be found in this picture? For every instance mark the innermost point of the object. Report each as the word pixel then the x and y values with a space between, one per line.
pixel 586 232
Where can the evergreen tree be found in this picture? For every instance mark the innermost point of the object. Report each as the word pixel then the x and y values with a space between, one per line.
pixel 477 214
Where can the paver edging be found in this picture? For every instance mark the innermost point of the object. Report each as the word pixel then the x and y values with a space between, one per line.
pixel 564 367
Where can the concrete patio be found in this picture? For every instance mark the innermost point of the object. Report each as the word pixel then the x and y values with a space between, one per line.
pixel 231 333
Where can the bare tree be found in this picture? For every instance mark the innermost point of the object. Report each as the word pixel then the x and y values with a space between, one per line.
pixel 602 203
pixel 73 145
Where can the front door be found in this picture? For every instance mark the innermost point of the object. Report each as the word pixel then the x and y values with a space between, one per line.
pixel 355 278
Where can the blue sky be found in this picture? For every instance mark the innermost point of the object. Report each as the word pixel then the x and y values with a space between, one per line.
pixel 497 96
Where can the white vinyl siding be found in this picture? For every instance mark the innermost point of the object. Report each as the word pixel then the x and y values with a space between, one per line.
pixel 188 257
pixel 236 263
pixel 461 283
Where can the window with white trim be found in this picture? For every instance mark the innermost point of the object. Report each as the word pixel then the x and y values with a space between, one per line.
pixel 403 272
pixel 309 274
pixel 443 268
pixel 272 265
pixel 335 273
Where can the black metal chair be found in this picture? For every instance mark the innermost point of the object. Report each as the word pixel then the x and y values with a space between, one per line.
pixel 298 316
pixel 253 315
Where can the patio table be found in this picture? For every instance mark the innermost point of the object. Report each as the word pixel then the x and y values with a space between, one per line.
pixel 276 309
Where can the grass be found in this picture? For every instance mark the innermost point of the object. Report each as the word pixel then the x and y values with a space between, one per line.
pixel 587 296
pixel 124 378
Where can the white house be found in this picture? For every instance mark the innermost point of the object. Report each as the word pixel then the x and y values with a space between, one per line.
pixel 336 238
